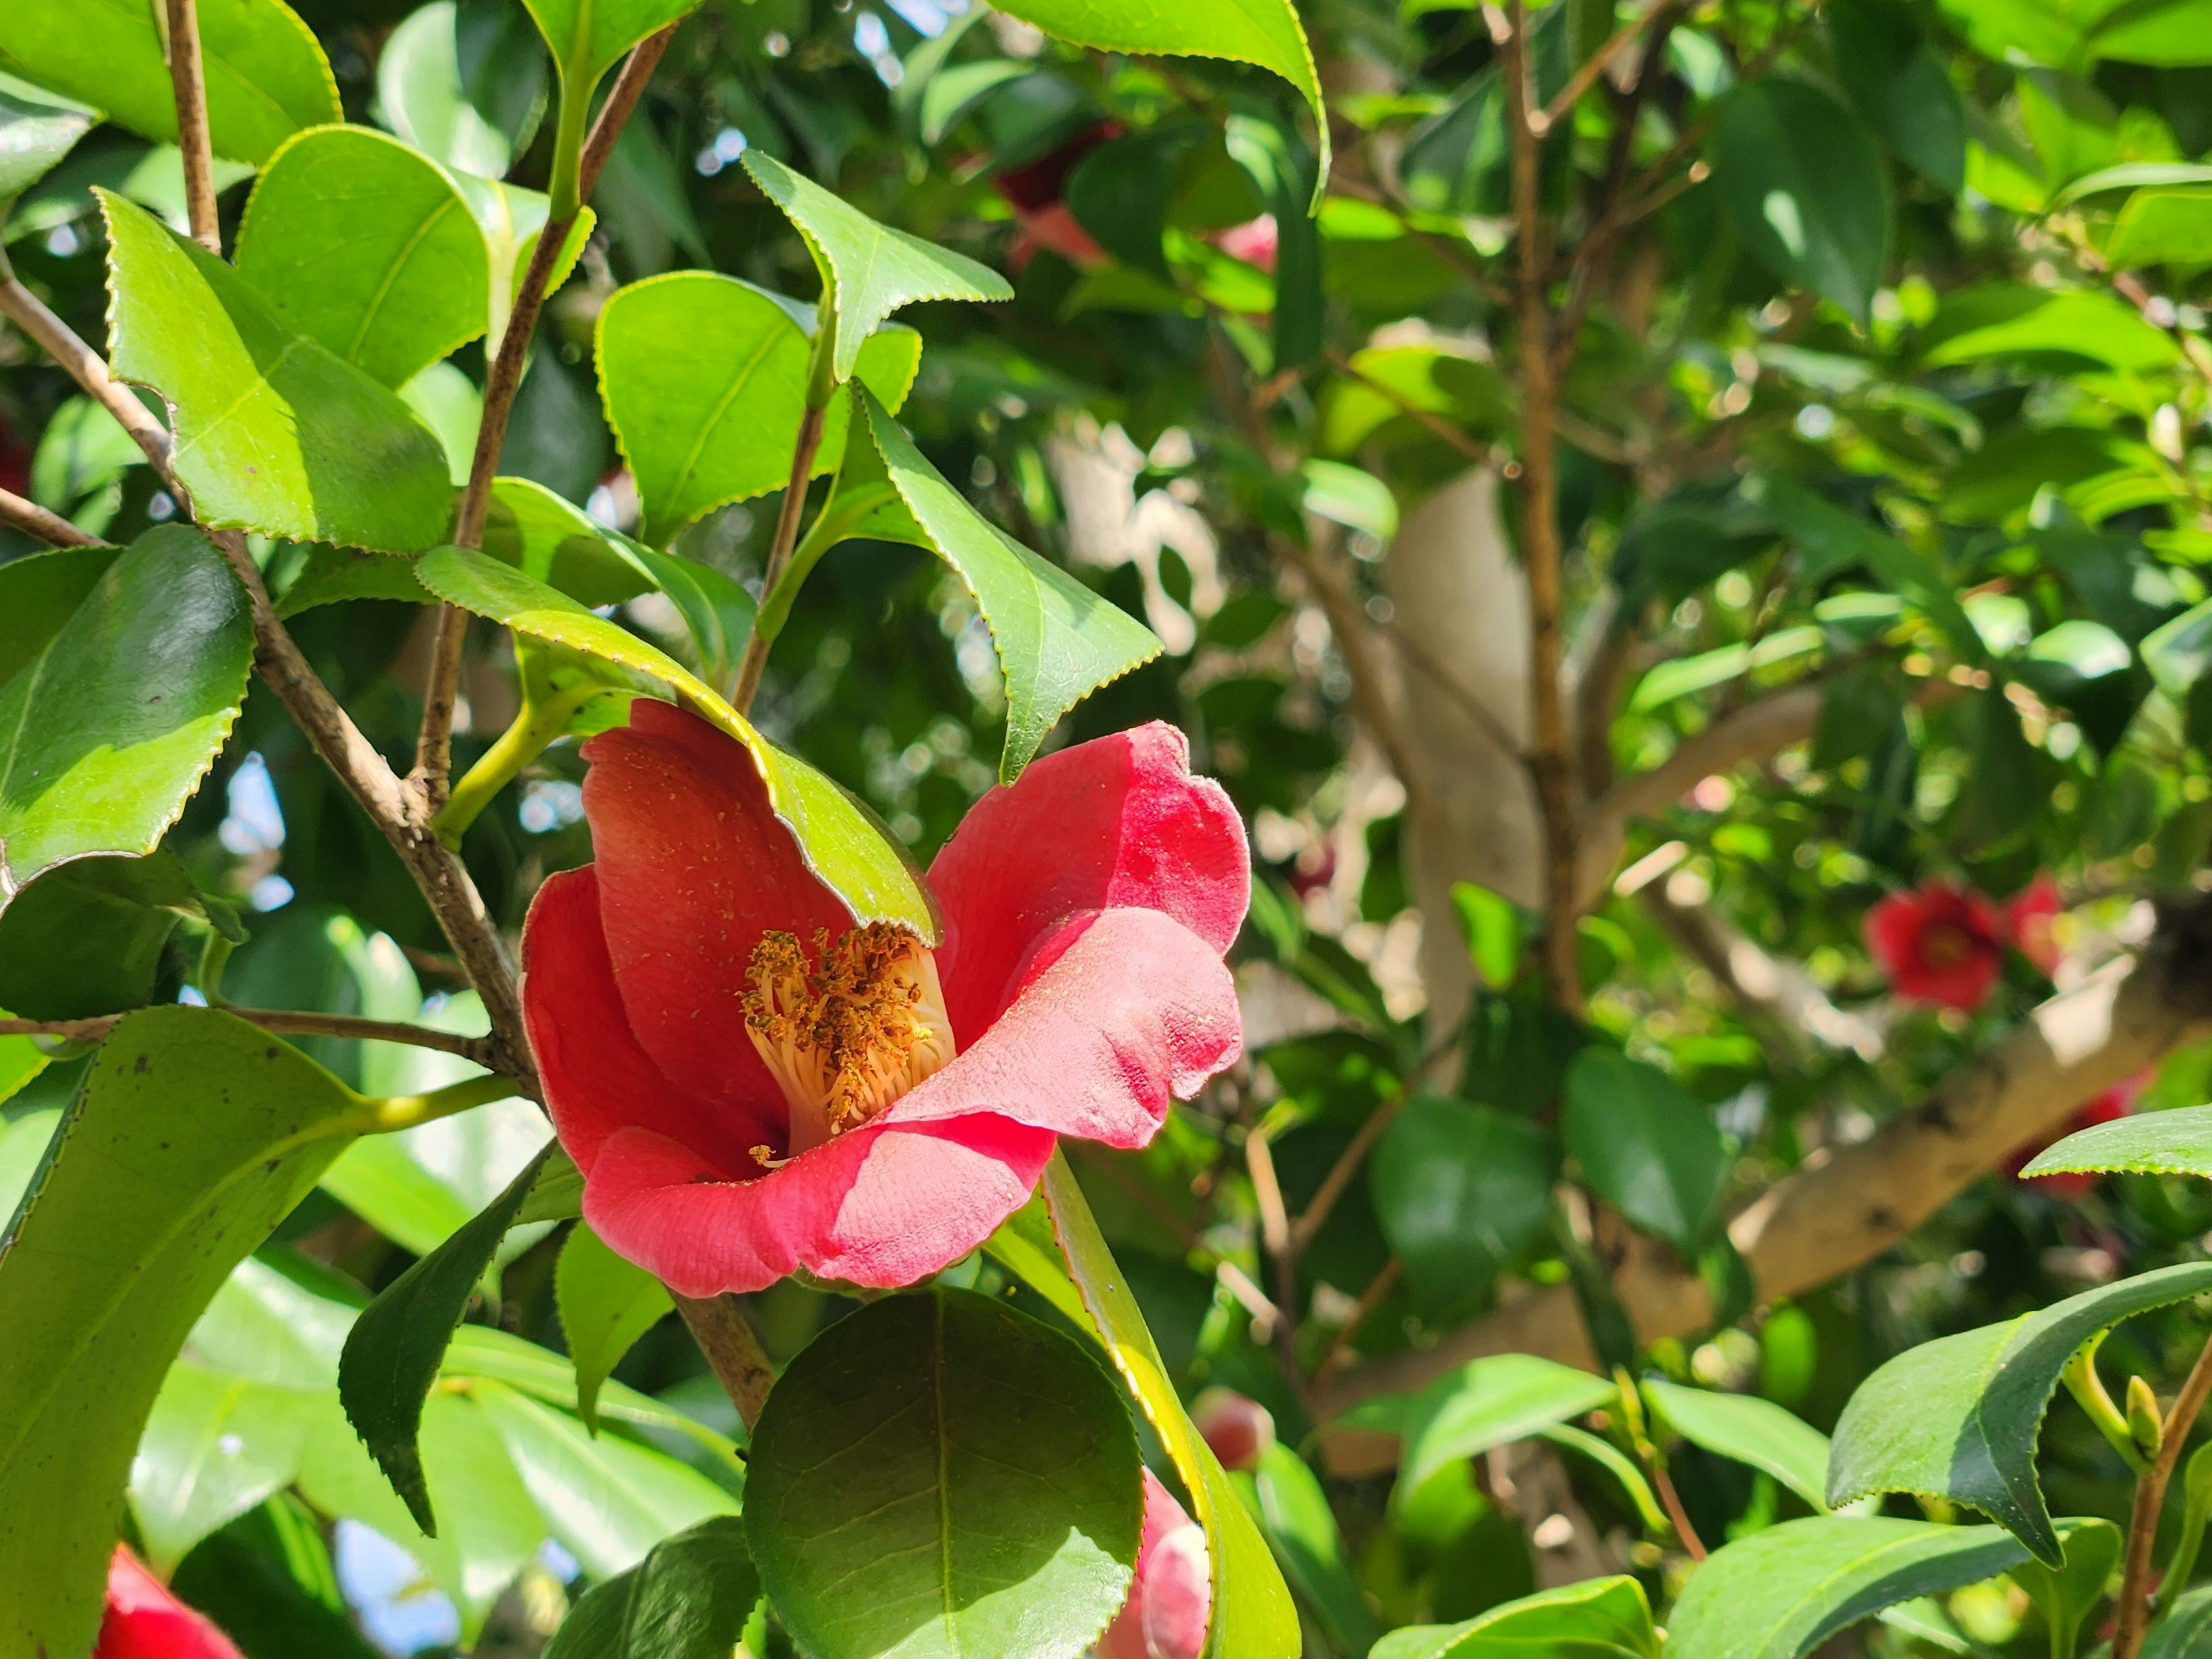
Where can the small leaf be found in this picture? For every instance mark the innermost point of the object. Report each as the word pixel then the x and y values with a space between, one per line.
pixel 974 1468
pixel 1460 1191
pixel 266 77
pixel 606 1305
pixel 1749 1429
pixel 367 246
pixel 33 135
pixel 1348 496
pixel 2001 319
pixel 92 762
pixel 1644 1146
pixel 1597 1619
pixel 394 1352
pixel 1805 186
pixel 1831 541
pixel 868 270
pixel 1957 1418
pixel 1780 1592
pixel 420 94
pixel 587 36
pixel 2177 1142
pixel 1293 1511
pixel 275 433
pixel 1484 1403
pixel 2066 1596
pixel 688 1599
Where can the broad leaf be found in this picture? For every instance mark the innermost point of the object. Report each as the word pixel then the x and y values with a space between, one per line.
pixel 1957 1418
pixel 275 433
pixel 2066 1596
pixel 2186 1632
pixel 868 270
pixel 1749 1429
pixel 367 247
pixel 266 77
pixel 847 849
pixel 1780 1592
pixel 88 937
pixel 1057 641
pixel 2000 319
pixel 688 1599
pixel 705 380
pixel 1460 1191
pixel 976 1470
pixel 89 761
pixel 33 138
pixel 1597 1619
pixel 1484 1403
pixel 606 1305
pixel 2177 1142
pixel 1293 1511
pixel 128 1229
pixel 420 97
pixel 215 1446
pixel 2162 226
pixel 1805 186
pixel 1645 1145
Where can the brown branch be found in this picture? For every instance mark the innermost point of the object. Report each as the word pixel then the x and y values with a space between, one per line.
pixel 1846 1205
pixel 1763 982
pixel 1348 1161
pixel 188 76
pixel 431 781
pixel 1339 1349
pixel 34 520
pixel 2133 1606
pixel 1282 1249
pixel 725 1336
pixel 1543 120
pixel 283 1022
pixel 87 367
pixel 803 451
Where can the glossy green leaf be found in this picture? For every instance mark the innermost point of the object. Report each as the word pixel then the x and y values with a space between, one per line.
pixel 419 92
pixel 1957 1418
pixel 394 1350
pixel 715 607
pixel 1597 1619
pixel 704 378
pixel 868 270
pixel 1057 641
pixel 1780 1592
pixel 976 1470
pixel 33 135
pixel 2186 1632
pixel 130 1227
pixel 1460 1191
pixel 1749 1429
pixel 2066 1596
pixel 606 1305
pixel 481 1350
pixel 1486 1402
pixel 275 433
pixel 547 537
pixel 88 937
pixel 2162 226
pixel 688 1599
pixel 2177 1142
pixel 1293 1511
pixel 1805 186
pixel 2000 319
pixel 1252 1616
pixel 587 36
pixel 1267 33
pixel 266 77
pixel 91 762
pixel 852 853
pixel 1899 84
pixel 367 247
pixel 215 1446
pixel 1645 1145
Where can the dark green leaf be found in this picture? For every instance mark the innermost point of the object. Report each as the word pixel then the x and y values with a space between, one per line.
pixel 1293 1511
pixel 86 938
pixel 1282 168
pixel 1644 1146
pixel 2186 1632
pixel 1896 81
pixel 688 1599
pixel 2066 1596
pixel 1460 1191
pixel 1804 183
pixel 33 135
pixel 1831 541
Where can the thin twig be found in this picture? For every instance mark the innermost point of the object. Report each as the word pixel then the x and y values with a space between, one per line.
pixel 283 1022
pixel 87 367
pixel 725 1336
pixel 1348 1161
pixel 2133 1604
pixel 431 779
pixel 1275 1235
pixel 34 520
pixel 779 554
pixel 1679 1517
pixel 1593 66
pixel 188 76
pixel 1381 1286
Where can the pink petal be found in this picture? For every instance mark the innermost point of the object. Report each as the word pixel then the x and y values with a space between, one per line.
pixel 1165 1616
pixel 883 1205
pixel 1117 1012
pixel 599 1082
pixel 1118 822
pixel 142 1620
pixel 694 865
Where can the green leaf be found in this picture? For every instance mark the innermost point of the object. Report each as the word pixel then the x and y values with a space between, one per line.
pixel 704 378
pixel 1597 1619
pixel 1896 80
pixel 1057 641
pixel 23 1145
pixel 1348 496
pixel 215 1446
pixel 847 849
pixel 1616 1463
pixel 688 1599
pixel 1780 1592
pixel 481 1350
pixel 1957 1418
pixel 1484 1403
pixel 1283 170
pixel 1749 1429
pixel 419 91
pixel 558 1195
pixel 1804 183
pixel 266 77
pixel 715 608
pixel 868 270
pixel 2177 1142
pixel 2002 319
pixel 394 1352
pixel 447 402
pixel 606 1305
pixel 33 135
pixel 1262 31
pixel 193 1135
pixel 1293 1511
pixel 587 36
pixel 93 761
pixel 88 937
pixel 551 538
pixel 275 433
pixel 2179 653
pixel 1460 1191
pixel 2169 34
pixel 1830 541
pixel 976 1470
pixel 368 248
pixel 511 219
pixel 2066 1596
pixel 1493 927
pixel 1644 1146
pixel 2162 226
pixel 2186 1632
pixel 1252 1616
pixel 1388 380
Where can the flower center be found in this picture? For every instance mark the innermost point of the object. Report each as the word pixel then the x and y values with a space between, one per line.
pixel 1944 945
pixel 847 1033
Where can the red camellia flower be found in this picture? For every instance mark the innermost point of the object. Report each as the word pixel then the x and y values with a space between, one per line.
pixel 1239 1429
pixel 2028 916
pixel 144 1621
pixel 1164 1617
pixel 1034 191
pixel 1940 945
pixel 751 1084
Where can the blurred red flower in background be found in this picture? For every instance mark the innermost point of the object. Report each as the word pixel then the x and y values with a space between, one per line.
pixel 144 1621
pixel 2117 1102
pixel 1941 944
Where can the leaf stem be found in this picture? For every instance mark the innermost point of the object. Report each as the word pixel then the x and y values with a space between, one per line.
pixel 396 1112
pixel 837 521
pixel 725 1336
pixel 2134 1603
pixel 35 521
pixel 538 725
pixel 786 520
pixel 187 75
pixel 284 1021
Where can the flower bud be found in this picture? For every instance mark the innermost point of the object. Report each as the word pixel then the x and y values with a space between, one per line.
pixel 1240 1429
pixel 2143 1423
pixel 1165 1616
pixel 144 1621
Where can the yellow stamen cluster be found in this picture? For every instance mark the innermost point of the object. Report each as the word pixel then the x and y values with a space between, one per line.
pixel 848 1032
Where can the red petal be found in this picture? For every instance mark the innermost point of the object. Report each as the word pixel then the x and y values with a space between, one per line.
pixel 144 1621
pixel 1119 821
pixel 694 865
pixel 883 1206
pixel 1165 1616
pixel 1117 1012
pixel 598 1080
